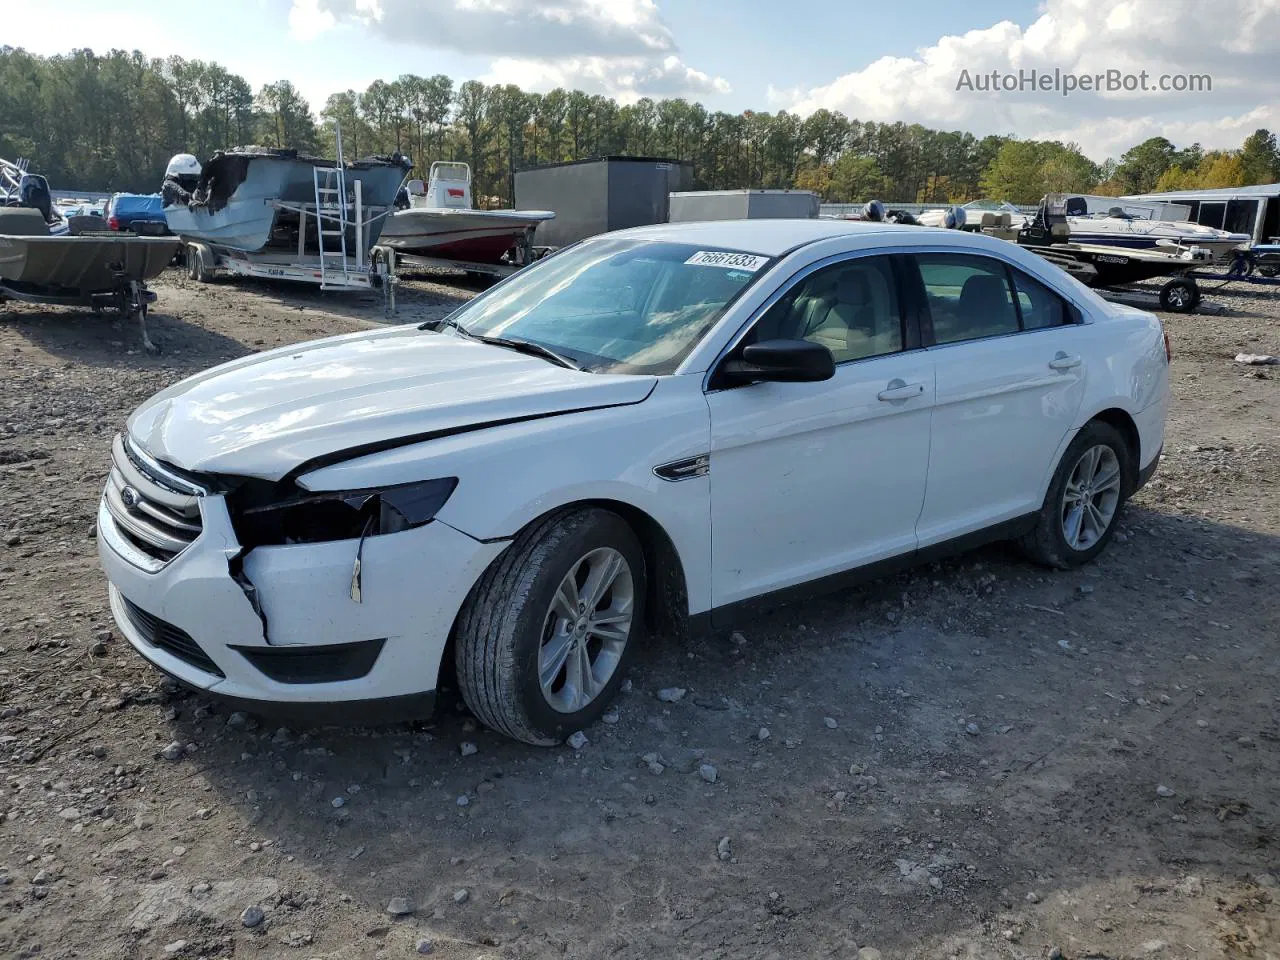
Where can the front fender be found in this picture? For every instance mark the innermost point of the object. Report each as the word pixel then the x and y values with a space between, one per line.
pixel 510 475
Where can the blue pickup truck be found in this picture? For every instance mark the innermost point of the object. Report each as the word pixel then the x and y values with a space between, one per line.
pixel 141 213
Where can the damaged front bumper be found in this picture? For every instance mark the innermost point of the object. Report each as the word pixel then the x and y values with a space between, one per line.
pixel 277 627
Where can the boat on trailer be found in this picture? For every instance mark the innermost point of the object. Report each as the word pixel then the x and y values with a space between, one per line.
pixel 1142 225
pixel 1105 266
pixel 440 222
pixel 99 269
pixel 249 198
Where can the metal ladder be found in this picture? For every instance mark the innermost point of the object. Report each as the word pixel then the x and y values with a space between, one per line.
pixel 331 208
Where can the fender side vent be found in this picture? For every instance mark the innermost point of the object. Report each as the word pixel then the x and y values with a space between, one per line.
pixel 685 469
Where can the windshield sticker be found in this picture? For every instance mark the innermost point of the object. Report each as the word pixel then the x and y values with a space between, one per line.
pixel 730 261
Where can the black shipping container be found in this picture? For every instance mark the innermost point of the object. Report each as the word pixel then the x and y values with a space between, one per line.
pixel 601 194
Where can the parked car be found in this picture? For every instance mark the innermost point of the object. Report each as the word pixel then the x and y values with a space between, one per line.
pixel 661 428
pixel 140 213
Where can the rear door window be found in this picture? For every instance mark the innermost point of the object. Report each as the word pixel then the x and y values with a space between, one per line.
pixel 969 297
pixel 1039 306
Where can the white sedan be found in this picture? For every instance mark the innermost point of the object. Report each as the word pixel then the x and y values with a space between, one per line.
pixel 659 429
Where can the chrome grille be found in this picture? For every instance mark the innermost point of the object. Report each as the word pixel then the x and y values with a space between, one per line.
pixel 154 509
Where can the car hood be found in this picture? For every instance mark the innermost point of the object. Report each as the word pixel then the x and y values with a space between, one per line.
pixel 267 414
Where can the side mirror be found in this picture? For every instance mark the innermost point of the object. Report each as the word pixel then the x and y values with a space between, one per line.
pixel 782 361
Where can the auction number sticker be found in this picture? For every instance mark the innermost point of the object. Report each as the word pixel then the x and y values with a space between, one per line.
pixel 730 261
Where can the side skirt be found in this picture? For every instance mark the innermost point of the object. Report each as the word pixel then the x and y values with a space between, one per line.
pixel 742 611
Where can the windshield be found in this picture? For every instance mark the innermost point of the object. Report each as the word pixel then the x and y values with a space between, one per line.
pixel 616 305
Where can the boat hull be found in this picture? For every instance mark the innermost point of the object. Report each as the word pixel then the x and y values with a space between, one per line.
pixel 243 224
pixel 1104 266
pixel 475 236
pixel 246 219
pixel 1219 248
pixel 84 264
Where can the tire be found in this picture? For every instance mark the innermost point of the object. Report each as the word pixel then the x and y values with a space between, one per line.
pixel 1179 296
pixel 1048 543
pixel 198 266
pixel 512 620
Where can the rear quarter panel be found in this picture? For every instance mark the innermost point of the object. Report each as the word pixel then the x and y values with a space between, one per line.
pixel 1126 369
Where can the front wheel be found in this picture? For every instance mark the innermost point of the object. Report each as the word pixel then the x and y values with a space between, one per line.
pixel 1083 504
pixel 543 640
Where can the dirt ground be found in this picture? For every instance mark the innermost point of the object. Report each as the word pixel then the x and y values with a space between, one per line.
pixel 977 759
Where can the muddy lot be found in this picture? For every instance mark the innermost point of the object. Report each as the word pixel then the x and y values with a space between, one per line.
pixel 977 759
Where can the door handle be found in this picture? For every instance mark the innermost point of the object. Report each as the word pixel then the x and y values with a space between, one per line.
pixel 900 390
pixel 1063 362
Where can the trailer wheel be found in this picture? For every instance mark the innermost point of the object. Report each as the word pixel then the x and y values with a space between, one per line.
pixel 1180 295
pixel 197 268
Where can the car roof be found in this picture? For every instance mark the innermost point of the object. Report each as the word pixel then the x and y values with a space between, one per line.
pixel 767 237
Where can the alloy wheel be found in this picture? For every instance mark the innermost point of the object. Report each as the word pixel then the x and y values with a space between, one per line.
pixel 1091 497
pixel 586 630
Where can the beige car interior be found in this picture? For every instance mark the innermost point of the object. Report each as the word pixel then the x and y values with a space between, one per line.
pixel 851 310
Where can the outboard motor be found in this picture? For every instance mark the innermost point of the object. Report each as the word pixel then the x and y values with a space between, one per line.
pixel 873 210
pixel 954 218
pixel 33 191
pixel 181 177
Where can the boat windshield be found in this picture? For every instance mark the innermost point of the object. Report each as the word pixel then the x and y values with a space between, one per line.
pixel 615 305
pixel 997 206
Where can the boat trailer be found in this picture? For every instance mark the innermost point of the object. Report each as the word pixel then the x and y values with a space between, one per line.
pixel 1258 265
pixel 128 296
pixel 332 269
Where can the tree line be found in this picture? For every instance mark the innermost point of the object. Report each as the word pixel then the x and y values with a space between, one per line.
pixel 112 121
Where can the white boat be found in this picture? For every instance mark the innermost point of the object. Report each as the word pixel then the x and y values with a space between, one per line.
pixel 948 218
pixel 440 221
pixel 976 211
pixel 238 201
pixel 1141 224
pixel 975 215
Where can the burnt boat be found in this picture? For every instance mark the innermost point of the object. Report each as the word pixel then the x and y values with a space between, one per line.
pixel 250 197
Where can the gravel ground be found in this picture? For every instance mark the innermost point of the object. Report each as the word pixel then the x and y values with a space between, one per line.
pixel 977 759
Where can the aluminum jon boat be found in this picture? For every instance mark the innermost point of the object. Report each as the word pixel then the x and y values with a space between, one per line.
pixel 239 200
pixel 440 221
pixel 100 269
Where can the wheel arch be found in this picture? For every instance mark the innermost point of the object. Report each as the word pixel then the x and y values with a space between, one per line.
pixel 666 586
pixel 666 583
pixel 1123 423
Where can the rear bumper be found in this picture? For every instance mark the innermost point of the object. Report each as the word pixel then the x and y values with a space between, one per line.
pixel 1149 471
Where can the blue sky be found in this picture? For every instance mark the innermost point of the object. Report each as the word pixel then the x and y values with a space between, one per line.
pixel 873 60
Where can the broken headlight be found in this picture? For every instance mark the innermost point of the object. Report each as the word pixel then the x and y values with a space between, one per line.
pixel 305 517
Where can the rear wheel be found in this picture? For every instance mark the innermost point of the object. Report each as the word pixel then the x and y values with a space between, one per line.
pixel 1083 504
pixel 544 637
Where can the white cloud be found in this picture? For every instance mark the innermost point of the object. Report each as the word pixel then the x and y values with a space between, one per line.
pixel 627 79
pixel 307 21
pixel 619 47
pixel 1236 42
pixel 555 28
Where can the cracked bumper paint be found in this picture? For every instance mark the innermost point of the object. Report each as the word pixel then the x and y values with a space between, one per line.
pixel 415 582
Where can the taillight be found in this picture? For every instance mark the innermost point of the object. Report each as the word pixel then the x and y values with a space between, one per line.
pixel 114 224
